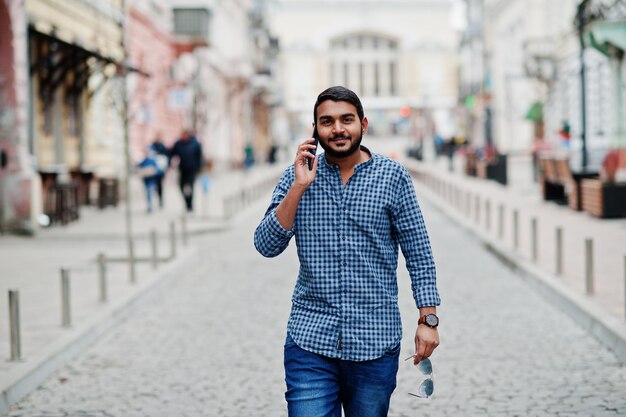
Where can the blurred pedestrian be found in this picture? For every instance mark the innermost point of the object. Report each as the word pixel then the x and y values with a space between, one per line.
pixel 149 171
pixel 188 151
pixel 248 161
pixel 162 159
pixel 450 147
pixel 348 213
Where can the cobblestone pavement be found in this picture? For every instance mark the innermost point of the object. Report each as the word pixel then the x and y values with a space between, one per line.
pixel 210 344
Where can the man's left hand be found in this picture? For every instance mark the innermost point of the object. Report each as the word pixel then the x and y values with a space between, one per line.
pixel 426 340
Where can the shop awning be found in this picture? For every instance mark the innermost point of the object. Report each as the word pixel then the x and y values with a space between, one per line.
pixel 535 112
pixel 603 34
pixel 55 58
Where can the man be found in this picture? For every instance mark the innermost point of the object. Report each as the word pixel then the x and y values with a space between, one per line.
pixel 189 153
pixel 348 213
pixel 161 156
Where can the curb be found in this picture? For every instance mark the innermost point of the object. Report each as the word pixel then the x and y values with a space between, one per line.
pixel 608 329
pixel 31 373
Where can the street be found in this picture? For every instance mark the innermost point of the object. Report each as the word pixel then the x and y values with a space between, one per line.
pixel 209 343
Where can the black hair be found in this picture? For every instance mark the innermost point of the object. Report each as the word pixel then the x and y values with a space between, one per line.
pixel 339 93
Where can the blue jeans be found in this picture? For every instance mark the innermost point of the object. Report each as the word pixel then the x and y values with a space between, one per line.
pixel 150 187
pixel 317 386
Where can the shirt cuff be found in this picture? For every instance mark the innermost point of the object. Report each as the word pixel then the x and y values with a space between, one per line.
pixel 427 296
pixel 277 228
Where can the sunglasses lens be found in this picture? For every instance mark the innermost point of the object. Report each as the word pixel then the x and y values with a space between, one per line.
pixel 425 367
pixel 426 388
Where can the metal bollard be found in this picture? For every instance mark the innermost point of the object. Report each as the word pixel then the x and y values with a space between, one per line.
pixel 501 221
pixel 131 261
pixel 102 268
pixel 589 266
pixel 468 204
pixel 14 325
pixel 183 225
pixel 66 318
pixel 488 215
pixel 172 240
pixel 559 251
pixel 155 253
pixel 533 238
pixel 625 286
pixel 515 229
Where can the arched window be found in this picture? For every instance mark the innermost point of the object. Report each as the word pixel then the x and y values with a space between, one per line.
pixel 366 63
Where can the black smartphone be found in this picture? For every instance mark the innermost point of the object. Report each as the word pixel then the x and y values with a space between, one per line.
pixel 314 151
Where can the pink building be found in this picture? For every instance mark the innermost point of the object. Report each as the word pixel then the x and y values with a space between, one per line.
pixel 16 174
pixel 151 50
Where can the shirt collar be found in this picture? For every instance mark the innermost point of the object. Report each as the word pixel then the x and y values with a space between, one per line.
pixel 357 167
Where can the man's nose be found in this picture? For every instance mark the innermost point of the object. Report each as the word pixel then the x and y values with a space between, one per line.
pixel 338 127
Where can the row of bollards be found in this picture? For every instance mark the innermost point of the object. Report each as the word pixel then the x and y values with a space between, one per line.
pixel 473 208
pixel 101 261
pixel 236 202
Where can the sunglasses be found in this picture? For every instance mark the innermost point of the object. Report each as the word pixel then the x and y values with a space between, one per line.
pixel 426 388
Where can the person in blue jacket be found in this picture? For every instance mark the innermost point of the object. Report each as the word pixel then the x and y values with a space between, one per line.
pixel 188 151
pixel 149 170
pixel 162 159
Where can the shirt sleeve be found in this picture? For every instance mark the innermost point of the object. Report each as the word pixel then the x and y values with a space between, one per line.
pixel 270 237
pixel 413 238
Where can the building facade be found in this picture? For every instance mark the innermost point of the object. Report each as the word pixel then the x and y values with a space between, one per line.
pixel 152 51
pixel 396 55
pixel 531 87
pixel 219 72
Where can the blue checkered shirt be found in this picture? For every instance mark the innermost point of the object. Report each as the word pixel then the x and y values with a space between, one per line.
pixel 345 302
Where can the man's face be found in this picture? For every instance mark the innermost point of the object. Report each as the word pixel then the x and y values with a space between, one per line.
pixel 339 128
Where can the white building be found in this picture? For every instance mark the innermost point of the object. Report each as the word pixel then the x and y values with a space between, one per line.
pixel 219 72
pixel 399 56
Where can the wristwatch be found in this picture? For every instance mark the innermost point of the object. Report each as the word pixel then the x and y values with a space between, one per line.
pixel 431 320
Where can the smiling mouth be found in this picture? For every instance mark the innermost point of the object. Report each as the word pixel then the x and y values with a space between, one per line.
pixel 341 140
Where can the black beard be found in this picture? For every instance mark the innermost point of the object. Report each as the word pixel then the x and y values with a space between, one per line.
pixel 354 147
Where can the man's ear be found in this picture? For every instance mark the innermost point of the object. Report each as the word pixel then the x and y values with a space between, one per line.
pixel 364 123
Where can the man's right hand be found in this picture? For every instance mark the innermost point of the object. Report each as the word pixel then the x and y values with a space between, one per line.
pixel 286 210
pixel 304 175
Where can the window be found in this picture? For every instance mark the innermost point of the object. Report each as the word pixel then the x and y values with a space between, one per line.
pixel 376 80
pixel 48 117
pixel 375 59
pixel 72 103
pixel 361 78
pixel 392 78
pixel 192 22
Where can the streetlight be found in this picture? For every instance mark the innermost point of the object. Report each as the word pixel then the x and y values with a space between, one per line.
pixel 581 22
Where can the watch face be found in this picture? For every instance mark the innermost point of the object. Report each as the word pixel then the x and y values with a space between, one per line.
pixel 431 320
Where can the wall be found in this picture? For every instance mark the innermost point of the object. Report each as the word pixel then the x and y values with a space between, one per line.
pixel 18 206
